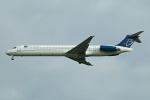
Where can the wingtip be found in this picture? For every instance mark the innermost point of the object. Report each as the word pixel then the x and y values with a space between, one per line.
pixel 141 31
pixel 89 64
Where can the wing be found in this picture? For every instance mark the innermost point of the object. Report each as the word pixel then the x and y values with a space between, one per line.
pixel 80 50
pixel 82 47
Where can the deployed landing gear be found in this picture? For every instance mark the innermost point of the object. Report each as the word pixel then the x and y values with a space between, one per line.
pixel 80 59
pixel 12 57
pixel 80 62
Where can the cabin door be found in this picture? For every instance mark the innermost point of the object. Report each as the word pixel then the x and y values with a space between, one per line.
pixel 19 48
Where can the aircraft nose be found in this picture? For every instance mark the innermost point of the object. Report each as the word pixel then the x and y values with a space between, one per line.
pixel 8 52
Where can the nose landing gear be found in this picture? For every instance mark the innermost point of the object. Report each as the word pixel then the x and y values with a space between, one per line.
pixel 12 57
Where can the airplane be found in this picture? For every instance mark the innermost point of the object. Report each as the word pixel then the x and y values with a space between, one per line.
pixel 76 52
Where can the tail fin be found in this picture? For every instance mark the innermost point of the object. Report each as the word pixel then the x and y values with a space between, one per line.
pixel 129 39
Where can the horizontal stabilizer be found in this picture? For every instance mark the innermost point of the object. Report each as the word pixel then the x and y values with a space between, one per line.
pixel 138 40
pixel 136 34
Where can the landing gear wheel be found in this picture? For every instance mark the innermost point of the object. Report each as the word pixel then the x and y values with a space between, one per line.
pixel 80 62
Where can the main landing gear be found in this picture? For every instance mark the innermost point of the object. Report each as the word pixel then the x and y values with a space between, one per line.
pixel 12 57
pixel 80 59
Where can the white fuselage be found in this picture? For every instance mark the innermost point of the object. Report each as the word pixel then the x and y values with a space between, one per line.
pixel 61 50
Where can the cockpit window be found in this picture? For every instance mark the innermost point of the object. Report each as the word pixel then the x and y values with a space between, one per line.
pixel 25 46
pixel 14 48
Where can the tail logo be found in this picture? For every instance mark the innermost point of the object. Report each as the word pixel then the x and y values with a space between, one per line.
pixel 129 42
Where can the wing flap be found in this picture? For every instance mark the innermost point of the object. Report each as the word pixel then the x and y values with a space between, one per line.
pixel 81 61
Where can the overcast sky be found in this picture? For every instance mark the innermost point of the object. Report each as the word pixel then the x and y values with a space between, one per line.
pixel 69 22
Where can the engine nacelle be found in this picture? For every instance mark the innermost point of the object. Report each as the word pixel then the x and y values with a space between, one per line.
pixel 109 48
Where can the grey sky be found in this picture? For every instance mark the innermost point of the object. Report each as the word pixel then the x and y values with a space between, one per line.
pixel 52 22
